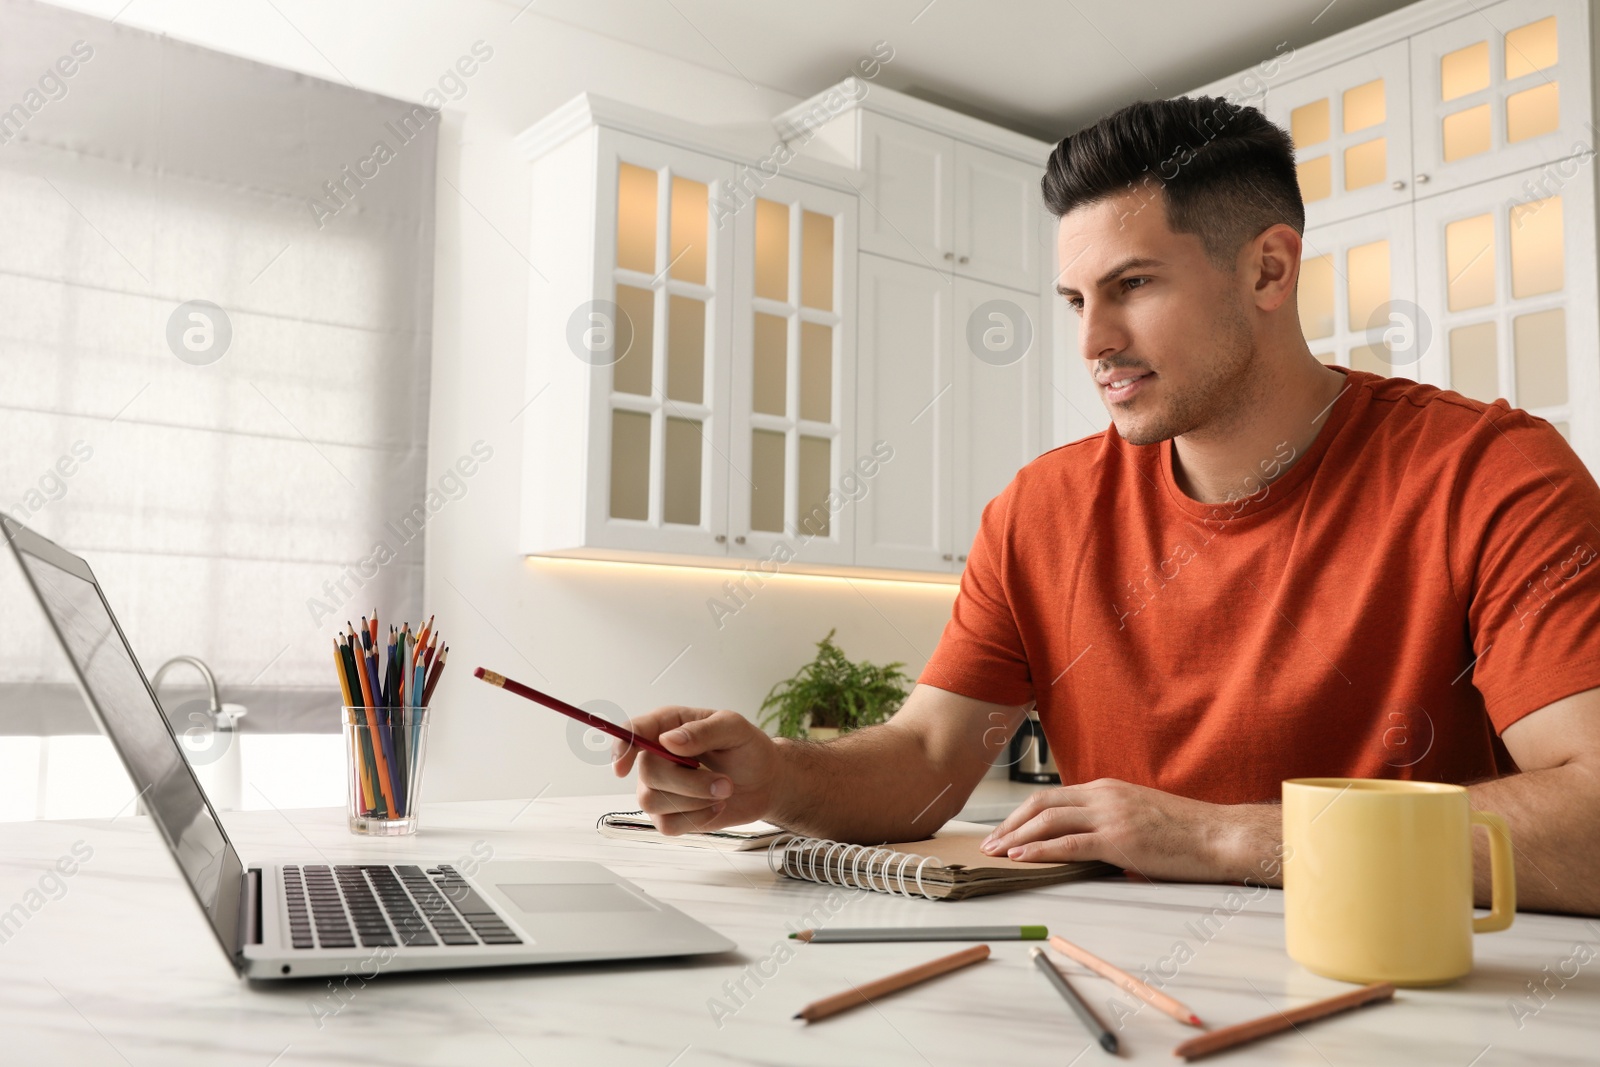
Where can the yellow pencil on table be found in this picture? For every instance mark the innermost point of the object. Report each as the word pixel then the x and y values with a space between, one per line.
pixel 1150 995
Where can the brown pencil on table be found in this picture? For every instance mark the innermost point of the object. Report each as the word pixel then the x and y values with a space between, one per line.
pixel 1228 1037
pixel 1147 993
pixel 864 994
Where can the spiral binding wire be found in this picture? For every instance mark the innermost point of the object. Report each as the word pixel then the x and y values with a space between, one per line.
pixel 871 867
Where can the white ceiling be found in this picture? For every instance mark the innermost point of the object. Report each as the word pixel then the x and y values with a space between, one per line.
pixel 1042 67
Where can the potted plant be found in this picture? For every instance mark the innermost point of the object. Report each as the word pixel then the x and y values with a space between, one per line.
pixel 830 695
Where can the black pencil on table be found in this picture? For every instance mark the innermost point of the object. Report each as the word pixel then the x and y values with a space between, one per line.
pixel 1091 1021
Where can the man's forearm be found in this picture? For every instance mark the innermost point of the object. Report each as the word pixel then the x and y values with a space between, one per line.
pixel 874 785
pixel 1554 816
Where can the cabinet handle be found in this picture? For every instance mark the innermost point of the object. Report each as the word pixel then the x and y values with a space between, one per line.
pixel 1422 179
pixel 963 259
pixel 949 255
pixel 739 540
pixel 722 539
pixel 1398 184
pixel 948 557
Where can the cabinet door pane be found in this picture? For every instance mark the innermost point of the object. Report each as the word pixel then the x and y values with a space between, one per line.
pixel 686 349
pixel 1474 366
pixel 766 494
pixel 1315 297
pixel 690 233
pixel 630 465
pixel 1533 112
pixel 1470 257
pixel 632 373
pixel 680 486
pixel 816 372
pixel 772 250
pixel 1538 253
pixel 1367 268
pixel 816 472
pixel 636 218
pixel 816 260
pixel 1531 47
pixel 1364 106
pixel 1464 71
pixel 770 364
pixel 1541 344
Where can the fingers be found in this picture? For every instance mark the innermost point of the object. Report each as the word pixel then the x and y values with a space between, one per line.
pixel 1027 810
pixel 665 776
pixel 1050 823
pixel 652 725
pixel 714 731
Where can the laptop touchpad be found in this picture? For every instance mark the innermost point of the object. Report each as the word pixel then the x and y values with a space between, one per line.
pixel 538 898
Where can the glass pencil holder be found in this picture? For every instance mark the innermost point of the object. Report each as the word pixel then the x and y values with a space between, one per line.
pixel 384 748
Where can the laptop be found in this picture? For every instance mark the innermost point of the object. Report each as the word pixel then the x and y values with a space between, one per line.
pixel 311 918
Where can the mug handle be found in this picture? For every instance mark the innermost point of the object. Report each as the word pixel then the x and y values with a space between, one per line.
pixel 1502 875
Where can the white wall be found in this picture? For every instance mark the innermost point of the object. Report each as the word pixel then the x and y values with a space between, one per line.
pixel 638 637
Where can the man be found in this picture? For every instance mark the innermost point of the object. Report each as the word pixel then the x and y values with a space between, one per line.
pixel 1265 568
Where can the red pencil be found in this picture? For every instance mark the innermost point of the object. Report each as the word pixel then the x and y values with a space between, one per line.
pixel 620 732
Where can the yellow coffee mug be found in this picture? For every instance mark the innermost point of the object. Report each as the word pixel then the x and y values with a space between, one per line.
pixel 1377 879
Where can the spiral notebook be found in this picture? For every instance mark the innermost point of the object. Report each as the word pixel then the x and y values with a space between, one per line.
pixel 636 826
pixel 946 866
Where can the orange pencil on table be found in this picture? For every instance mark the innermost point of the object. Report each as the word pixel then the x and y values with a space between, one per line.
pixel 1279 1021
pixel 349 702
pixel 866 993
pixel 1149 994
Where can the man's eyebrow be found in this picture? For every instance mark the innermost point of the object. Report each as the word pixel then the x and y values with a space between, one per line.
pixel 1126 265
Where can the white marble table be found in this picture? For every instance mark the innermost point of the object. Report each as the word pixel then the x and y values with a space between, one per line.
pixel 121 969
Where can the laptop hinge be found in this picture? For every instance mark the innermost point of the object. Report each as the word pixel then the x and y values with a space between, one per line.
pixel 250 907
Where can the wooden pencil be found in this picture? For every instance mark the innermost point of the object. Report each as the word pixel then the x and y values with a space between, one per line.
pixel 864 994
pixel 360 754
pixel 1147 993
pixel 433 676
pixel 1232 1036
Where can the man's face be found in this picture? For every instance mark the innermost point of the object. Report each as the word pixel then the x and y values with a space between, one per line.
pixel 1164 332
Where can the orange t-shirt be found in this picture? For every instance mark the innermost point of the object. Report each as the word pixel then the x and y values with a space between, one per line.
pixel 1418 580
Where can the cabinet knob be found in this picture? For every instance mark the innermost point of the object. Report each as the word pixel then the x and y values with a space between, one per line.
pixel 961 559
pixel 963 259
pixel 949 255
pixel 722 539
pixel 739 540
pixel 948 557
pixel 1422 179
pixel 1398 184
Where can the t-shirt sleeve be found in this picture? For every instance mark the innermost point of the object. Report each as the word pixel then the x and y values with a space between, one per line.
pixel 1528 562
pixel 980 654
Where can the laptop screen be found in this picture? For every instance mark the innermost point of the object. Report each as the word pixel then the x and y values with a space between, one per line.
pixel 116 690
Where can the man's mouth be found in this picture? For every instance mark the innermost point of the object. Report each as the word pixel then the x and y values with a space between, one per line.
pixel 1120 385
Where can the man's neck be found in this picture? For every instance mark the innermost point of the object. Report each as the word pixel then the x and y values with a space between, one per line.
pixel 1264 441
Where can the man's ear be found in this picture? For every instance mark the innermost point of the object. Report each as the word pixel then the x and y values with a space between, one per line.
pixel 1272 263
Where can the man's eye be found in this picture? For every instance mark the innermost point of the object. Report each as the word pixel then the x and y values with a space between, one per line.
pixel 1125 281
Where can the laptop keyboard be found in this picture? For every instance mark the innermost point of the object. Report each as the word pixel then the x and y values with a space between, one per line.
pixel 339 906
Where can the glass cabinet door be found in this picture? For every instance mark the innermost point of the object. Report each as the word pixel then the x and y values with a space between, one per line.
pixel 793 373
pixel 1357 295
pixel 1351 128
pixel 1512 294
pixel 1500 90
pixel 665 285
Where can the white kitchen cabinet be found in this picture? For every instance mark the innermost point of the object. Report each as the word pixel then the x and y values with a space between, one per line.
pixel 1351 125
pixel 1510 288
pixel 631 322
pixel 1357 294
pixel 721 374
pixel 951 372
pixel 1479 274
pixel 932 200
pixel 794 374
pixel 903 398
pixel 1499 91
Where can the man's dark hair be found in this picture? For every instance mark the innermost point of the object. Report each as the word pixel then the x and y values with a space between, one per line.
pixel 1226 172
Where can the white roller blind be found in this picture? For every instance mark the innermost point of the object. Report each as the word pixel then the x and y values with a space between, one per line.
pixel 233 509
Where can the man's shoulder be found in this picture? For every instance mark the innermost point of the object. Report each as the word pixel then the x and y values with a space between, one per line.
pixel 1420 420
